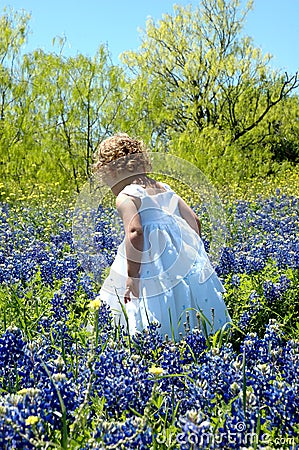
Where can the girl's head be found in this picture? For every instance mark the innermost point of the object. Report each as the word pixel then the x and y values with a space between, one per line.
pixel 121 156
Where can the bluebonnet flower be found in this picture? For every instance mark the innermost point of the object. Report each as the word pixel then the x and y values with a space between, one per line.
pixel 41 404
pixel 51 410
pixel 254 306
pixel 55 337
pixel 273 291
pixel 172 363
pixel 64 298
pixel 235 280
pixel 273 234
pixel 260 350
pixel 195 346
pixel 15 428
pixel 265 366
pixel 239 430
pixel 61 239
pixel 123 383
pixel 24 254
pixel 148 343
pixel 244 320
pixel 59 306
pixel 227 262
pixel 105 321
pixel 86 283
pixel 67 267
pixel 196 431
pixel 282 412
pixel 287 359
pixel 218 372
pixel 131 434
pixel 107 239
pixel 15 364
pixel 196 386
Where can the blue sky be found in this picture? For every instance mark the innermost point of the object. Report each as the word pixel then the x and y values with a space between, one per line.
pixel 273 24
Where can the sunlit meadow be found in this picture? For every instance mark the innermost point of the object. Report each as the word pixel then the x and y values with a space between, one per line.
pixel 71 380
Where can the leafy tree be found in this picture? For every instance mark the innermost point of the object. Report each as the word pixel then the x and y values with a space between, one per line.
pixel 13 88
pixel 281 131
pixel 77 101
pixel 196 87
pixel 203 88
pixel 53 109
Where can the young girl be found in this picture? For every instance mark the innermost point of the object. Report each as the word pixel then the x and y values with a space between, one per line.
pixel 161 269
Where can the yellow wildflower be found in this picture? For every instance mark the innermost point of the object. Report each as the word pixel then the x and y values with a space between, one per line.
pixel 95 304
pixel 156 370
pixel 31 420
pixel 23 391
pixel 28 391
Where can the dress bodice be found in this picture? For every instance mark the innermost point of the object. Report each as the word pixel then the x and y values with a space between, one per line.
pixel 176 275
pixel 158 207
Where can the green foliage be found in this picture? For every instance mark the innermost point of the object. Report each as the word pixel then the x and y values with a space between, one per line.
pixel 25 311
pixel 208 94
pixel 54 110
pixel 249 295
pixel 197 87
pixel 77 99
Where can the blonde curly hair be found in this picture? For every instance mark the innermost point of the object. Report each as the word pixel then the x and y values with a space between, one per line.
pixel 121 152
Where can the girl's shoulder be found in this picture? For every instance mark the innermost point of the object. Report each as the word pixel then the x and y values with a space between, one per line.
pixel 132 189
pixel 139 191
pixel 162 185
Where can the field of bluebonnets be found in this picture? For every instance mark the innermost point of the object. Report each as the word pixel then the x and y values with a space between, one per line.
pixel 70 380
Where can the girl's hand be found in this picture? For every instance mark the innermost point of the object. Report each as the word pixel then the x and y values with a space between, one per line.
pixel 132 287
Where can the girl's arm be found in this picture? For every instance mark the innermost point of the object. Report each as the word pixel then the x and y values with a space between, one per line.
pixel 134 233
pixel 189 215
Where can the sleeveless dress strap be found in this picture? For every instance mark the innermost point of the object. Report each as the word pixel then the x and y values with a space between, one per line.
pixel 171 205
pixel 133 189
pixel 167 186
pixel 138 191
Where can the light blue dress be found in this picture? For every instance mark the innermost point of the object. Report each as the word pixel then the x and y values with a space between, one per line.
pixel 175 276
